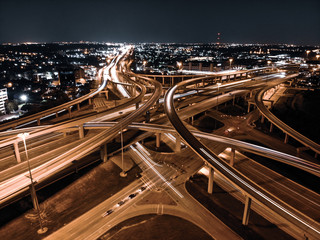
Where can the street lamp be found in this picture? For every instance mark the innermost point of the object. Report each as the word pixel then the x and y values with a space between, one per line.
pixel 144 63
pixel 123 173
pixel 32 188
pixel 24 98
pixel 230 61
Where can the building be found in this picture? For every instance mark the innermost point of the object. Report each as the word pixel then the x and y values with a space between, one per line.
pixel 3 99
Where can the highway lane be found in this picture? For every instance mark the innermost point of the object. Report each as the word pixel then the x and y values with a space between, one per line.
pixel 91 225
pixel 251 189
pixel 228 142
pixel 281 125
pixel 11 187
pixel 301 198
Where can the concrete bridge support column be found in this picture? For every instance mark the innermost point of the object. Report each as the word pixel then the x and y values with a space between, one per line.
pixel 81 131
pixel 286 138
pixel 246 212
pixel 301 149
pixel 38 121
pixel 249 106
pixel 233 154
pixel 107 94
pixel 211 67
pixel 16 151
pixel 158 140
pixel 200 66
pixel 233 99
pixel 57 114
pixel 78 106
pixel 271 127
pixel 262 119
pixel 90 101
pixel 210 180
pixel 69 111
pixel 178 143
pixel 104 152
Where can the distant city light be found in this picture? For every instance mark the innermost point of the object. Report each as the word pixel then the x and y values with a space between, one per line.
pixel 24 97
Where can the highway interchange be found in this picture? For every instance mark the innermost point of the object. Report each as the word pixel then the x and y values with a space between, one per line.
pixel 141 94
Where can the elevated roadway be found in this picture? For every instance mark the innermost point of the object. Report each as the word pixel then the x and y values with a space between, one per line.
pixel 281 125
pixel 249 188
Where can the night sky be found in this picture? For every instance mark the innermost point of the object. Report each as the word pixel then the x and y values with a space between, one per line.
pixel 246 21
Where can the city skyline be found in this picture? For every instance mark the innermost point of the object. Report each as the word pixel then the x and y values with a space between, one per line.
pixel 292 22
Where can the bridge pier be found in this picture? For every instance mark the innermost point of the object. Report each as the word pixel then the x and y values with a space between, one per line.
pixel 104 152
pixel 107 94
pixel 90 101
pixel 210 180
pixel 246 212
pixel 271 127
pixel 57 114
pixel 262 119
pixel 78 106
pixel 286 138
pixel 38 121
pixel 211 67
pixel 16 151
pixel 233 154
pixel 69 111
pixel 301 149
pixel 81 131
pixel 158 140
pixel 178 143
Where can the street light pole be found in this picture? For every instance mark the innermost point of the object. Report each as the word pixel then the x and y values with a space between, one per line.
pixel 32 188
pixel 230 61
pixel 123 173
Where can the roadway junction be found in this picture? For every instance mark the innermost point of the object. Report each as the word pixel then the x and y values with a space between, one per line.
pixel 163 107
